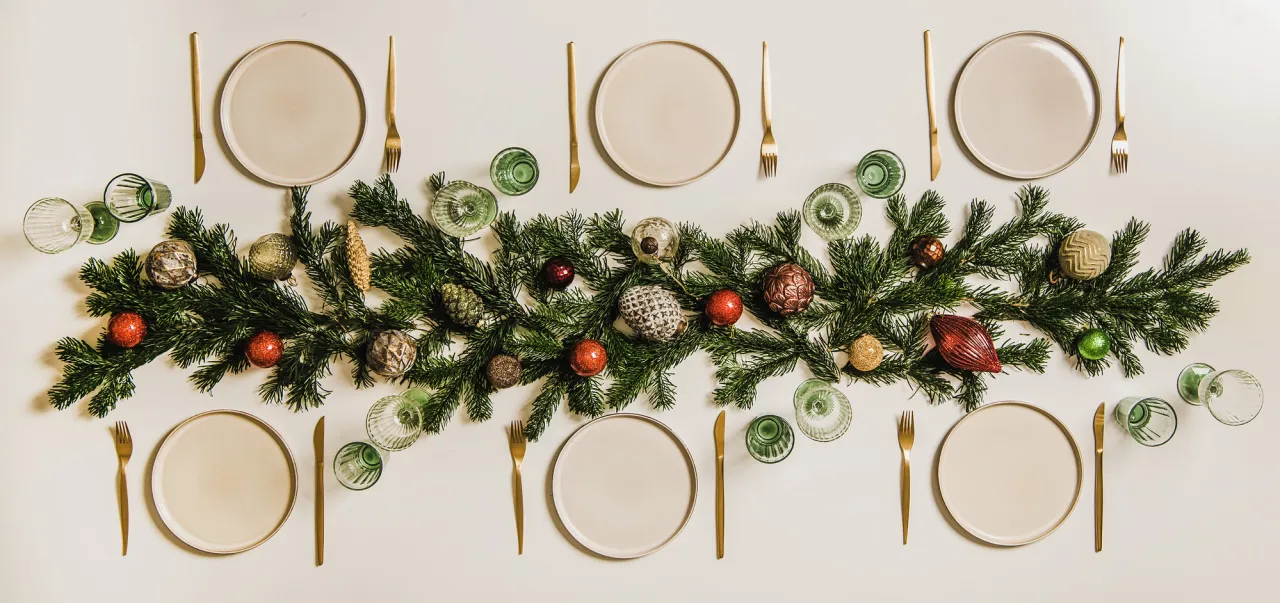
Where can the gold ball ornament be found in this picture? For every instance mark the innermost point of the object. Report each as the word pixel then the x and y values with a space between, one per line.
pixel 1084 255
pixel 866 353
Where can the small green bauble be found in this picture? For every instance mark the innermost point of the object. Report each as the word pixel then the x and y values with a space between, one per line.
pixel 462 304
pixel 1093 344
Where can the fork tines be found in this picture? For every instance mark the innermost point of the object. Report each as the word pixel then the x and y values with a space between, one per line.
pixel 516 432
pixel 1120 156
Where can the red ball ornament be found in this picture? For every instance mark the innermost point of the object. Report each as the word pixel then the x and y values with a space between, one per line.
pixel 126 329
pixel 587 357
pixel 724 307
pixel 557 273
pixel 264 349
pixel 964 343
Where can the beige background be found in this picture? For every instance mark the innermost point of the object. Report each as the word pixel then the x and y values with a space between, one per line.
pixel 92 89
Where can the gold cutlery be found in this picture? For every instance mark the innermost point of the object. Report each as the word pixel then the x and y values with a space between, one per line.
pixel 574 169
pixel 393 135
pixel 124 450
pixel 319 448
pixel 1120 142
pixel 1099 421
pixel 195 102
pixel 719 435
pixel 516 437
pixel 906 438
pixel 768 148
pixel 935 158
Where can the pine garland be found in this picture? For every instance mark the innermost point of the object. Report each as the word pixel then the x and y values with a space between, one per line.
pixel 865 288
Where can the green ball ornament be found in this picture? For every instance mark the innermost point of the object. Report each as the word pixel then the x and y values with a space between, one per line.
pixel 1093 344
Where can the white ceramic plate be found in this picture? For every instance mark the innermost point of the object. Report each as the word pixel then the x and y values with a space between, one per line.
pixel 624 485
pixel 224 481
pixel 1027 104
pixel 292 113
pixel 667 112
pixel 1009 473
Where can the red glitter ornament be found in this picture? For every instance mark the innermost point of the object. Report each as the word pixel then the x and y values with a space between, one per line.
pixel 264 349
pixel 587 357
pixel 964 343
pixel 557 273
pixel 126 329
pixel 724 307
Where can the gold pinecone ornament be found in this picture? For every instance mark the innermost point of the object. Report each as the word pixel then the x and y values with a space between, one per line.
pixel 462 304
pixel 866 353
pixel 357 258
pixel 788 289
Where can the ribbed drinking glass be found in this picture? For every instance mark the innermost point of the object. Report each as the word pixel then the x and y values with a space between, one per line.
pixel 131 197
pixel 358 465
pixel 1151 421
pixel 881 174
pixel 514 171
pixel 770 439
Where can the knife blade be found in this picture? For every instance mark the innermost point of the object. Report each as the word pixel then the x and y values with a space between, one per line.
pixel 319 448
pixel 719 435
pixel 574 168
pixel 195 103
pixel 1099 422
pixel 935 158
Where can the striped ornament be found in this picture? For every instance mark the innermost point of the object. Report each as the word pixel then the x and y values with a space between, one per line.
pixel 964 343
pixel 1084 255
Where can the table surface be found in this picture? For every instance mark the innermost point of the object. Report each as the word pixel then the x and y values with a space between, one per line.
pixel 98 88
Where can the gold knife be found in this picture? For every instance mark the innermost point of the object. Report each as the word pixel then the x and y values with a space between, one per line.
pixel 574 168
pixel 195 102
pixel 935 158
pixel 319 447
pixel 719 433
pixel 1099 422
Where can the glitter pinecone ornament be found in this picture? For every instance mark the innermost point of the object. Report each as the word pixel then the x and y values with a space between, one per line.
pixel 171 264
pixel 391 353
pixel 866 353
pixel 272 257
pixel 126 329
pixel 264 349
pixel 587 358
pixel 462 304
pixel 503 371
pixel 652 312
pixel 557 273
pixel 964 343
pixel 1084 255
pixel 788 289
pixel 724 307
pixel 357 258
pixel 926 252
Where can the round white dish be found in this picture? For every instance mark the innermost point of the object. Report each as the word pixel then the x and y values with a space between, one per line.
pixel 292 113
pixel 624 485
pixel 1009 473
pixel 1027 105
pixel 224 481
pixel 667 112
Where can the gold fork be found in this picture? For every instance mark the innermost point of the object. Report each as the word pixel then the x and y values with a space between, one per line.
pixel 1120 142
pixel 768 147
pixel 393 135
pixel 906 438
pixel 516 437
pixel 124 450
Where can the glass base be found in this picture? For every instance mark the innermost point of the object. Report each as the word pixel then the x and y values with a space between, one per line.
pixel 1189 382
pixel 105 225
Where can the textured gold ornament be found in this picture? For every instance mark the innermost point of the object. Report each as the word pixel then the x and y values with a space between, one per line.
pixel 357 258
pixel 1084 255
pixel 866 353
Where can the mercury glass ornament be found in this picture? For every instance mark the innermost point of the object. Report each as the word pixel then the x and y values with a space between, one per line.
pixel 391 353
pixel 655 240
pixel 272 257
pixel 822 412
pixel 171 264
pixel 459 208
pixel 833 211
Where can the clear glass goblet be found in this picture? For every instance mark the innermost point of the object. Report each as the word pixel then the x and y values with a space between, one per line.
pixel 394 423
pixel 54 225
pixel 822 412
pixel 1232 396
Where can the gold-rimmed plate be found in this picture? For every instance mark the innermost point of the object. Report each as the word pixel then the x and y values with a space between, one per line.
pixel 223 482
pixel 1009 473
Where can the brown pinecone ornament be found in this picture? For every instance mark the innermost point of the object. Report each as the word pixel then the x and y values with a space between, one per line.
pixel 788 289
pixel 503 371
pixel 866 353
pixel 357 258
pixel 964 343
pixel 926 252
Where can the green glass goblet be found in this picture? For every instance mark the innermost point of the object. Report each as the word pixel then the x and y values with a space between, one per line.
pixel 769 439
pixel 1233 397
pixel 358 465
pixel 823 414
pixel 394 423
pixel 461 209
pixel 833 211
pixel 1151 421
pixel 881 174
pixel 54 225
pixel 514 171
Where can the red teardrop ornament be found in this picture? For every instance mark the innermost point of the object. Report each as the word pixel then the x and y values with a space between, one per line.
pixel 964 343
